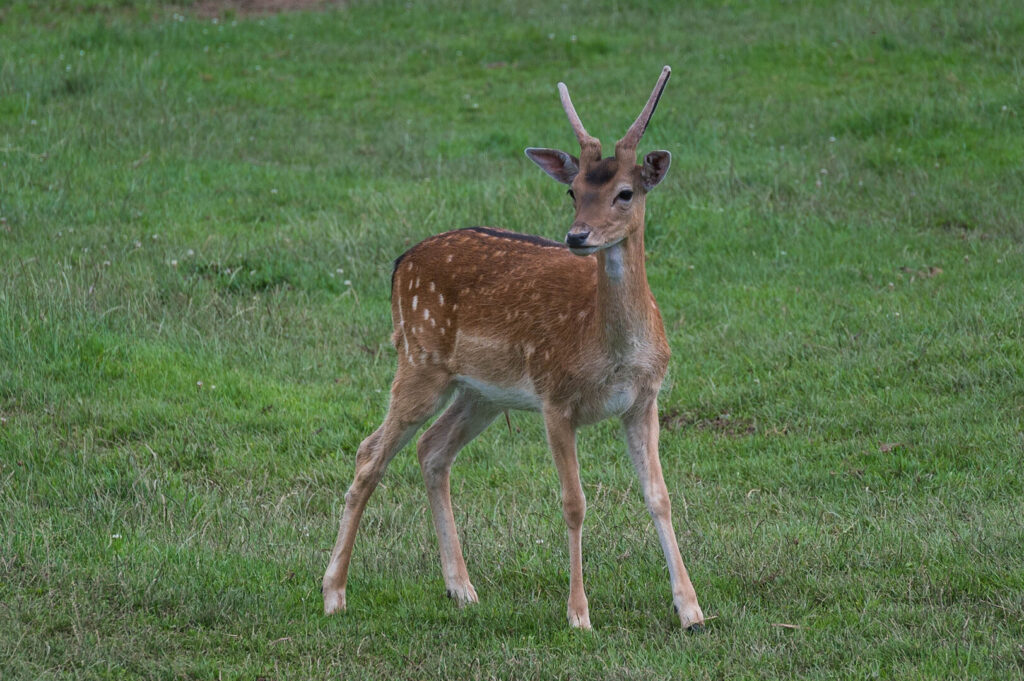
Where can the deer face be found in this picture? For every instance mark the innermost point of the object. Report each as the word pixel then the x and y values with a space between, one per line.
pixel 608 195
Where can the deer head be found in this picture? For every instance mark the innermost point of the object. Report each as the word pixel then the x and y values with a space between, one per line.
pixel 608 193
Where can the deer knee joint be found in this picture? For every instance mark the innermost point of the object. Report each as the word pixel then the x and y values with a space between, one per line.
pixel 574 509
pixel 659 504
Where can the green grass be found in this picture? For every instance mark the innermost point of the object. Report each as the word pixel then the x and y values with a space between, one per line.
pixel 186 202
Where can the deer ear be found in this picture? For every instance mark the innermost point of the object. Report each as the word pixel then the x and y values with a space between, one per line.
pixel 558 164
pixel 655 166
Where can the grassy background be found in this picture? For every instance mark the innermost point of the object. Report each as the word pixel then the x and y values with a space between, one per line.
pixel 197 221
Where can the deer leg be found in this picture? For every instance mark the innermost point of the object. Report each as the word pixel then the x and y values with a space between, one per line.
pixel 642 431
pixel 562 440
pixel 414 399
pixel 466 418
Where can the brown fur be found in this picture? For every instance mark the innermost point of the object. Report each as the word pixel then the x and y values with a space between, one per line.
pixel 504 320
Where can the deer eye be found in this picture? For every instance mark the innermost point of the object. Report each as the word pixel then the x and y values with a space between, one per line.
pixel 625 195
pixel 571 195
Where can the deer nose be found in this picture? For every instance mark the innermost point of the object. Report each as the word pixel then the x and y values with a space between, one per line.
pixel 576 239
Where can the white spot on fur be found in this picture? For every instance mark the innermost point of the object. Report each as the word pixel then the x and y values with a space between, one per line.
pixel 431 287
pixel 414 301
pixel 440 298
pixel 417 282
pixel 449 258
pixel 426 314
pixel 433 323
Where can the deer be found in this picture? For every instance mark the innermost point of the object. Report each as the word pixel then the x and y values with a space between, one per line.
pixel 494 320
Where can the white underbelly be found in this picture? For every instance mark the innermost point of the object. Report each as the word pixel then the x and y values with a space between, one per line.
pixel 520 396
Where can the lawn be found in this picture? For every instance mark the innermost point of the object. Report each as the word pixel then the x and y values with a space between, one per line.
pixel 199 208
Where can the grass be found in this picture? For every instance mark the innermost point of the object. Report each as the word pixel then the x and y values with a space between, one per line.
pixel 197 221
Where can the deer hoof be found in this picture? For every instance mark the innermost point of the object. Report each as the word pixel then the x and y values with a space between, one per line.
pixel 580 621
pixel 463 594
pixel 690 616
pixel 334 600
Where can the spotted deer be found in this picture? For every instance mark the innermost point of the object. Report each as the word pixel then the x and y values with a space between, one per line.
pixel 507 321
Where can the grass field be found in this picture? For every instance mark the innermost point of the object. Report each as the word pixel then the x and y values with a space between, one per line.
pixel 198 214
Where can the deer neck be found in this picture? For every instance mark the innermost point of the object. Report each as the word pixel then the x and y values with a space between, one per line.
pixel 625 312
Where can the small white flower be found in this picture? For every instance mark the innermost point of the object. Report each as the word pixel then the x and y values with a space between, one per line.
pixel 115 536
pixel 199 384
pixel 190 252
pixel 273 191
pixel 832 138
pixel 348 282
pixel 174 263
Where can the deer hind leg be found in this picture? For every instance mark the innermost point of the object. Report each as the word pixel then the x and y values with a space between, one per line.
pixel 416 395
pixel 642 441
pixel 562 439
pixel 466 418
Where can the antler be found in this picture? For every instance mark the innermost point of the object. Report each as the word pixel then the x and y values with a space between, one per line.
pixel 629 142
pixel 590 146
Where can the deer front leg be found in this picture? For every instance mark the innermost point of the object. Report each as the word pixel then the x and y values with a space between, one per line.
pixel 562 440
pixel 642 431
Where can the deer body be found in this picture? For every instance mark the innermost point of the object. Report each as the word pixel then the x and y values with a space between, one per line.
pixel 448 314
pixel 501 321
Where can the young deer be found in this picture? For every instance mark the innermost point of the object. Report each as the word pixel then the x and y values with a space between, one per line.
pixel 509 321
